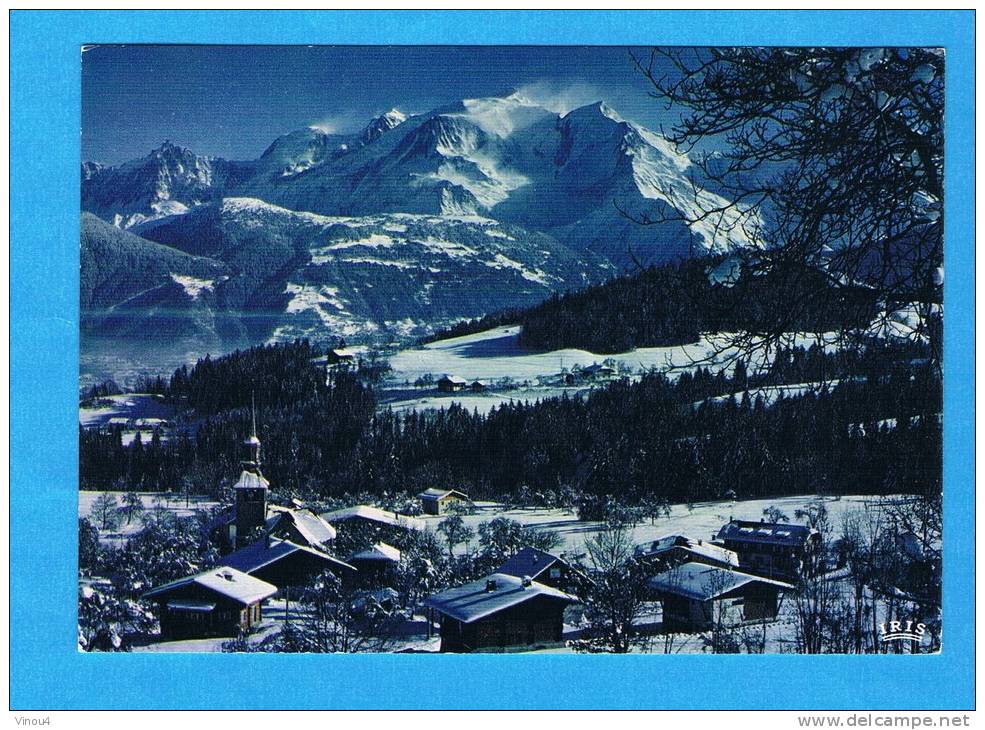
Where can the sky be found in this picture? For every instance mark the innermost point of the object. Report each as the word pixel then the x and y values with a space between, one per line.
pixel 233 101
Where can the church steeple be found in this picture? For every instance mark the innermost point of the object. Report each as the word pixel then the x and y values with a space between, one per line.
pixel 251 490
pixel 252 442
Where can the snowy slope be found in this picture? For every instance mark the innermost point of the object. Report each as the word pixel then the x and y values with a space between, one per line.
pixel 302 274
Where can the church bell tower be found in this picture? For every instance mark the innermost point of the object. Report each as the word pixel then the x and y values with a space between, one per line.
pixel 251 490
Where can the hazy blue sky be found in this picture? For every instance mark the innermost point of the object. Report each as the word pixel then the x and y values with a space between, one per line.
pixel 232 101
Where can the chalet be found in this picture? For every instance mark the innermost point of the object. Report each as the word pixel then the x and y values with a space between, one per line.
pixel 285 564
pixel 377 565
pixel 774 550
pixel 696 596
pixel 477 386
pixel 451 384
pixel 219 602
pixel 545 568
pixel 672 550
pixel 373 516
pixel 435 501
pixel 339 356
pixel 500 612
pixel 597 371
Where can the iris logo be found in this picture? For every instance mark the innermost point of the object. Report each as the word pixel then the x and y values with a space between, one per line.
pixel 901 631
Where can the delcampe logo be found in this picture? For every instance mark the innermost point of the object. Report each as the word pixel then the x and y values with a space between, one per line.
pixel 901 631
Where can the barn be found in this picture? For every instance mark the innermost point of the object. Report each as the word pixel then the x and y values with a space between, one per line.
pixel 500 613
pixel 696 596
pixel 434 501
pixel 219 602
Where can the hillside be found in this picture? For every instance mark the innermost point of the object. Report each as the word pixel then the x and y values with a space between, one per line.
pixel 393 231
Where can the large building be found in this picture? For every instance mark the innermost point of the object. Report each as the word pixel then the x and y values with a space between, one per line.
pixel 772 549
pixel 501 613
pixel 219 602
pixel 696 597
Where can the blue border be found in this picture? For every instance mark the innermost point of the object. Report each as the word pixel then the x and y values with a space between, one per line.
pixel 46 673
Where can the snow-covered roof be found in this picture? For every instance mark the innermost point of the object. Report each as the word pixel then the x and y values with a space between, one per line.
pixel 442 494
pixel 456 379
pixel 374 514
pixel 485 597
pixel 259 555
pixel 251 480
pixel 529 562
pixel 224 581
pixel 312 528
pixel 776 533
pixel 704 582
pixel 379 551
pixel 701 548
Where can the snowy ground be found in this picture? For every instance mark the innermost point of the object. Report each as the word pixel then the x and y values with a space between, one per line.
pixel 152 502
pixel 128 405
pixel 495 354
pixel 700 522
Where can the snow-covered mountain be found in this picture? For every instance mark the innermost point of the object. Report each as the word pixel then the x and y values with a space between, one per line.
pixel 572 176
pixel 410 222
pixel 167 181
pixel 265 273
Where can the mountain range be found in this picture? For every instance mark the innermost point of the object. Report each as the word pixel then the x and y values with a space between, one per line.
pixel 408 224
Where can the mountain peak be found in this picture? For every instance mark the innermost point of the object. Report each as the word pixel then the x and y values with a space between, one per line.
pixel 168 148
pixel 595 109
pixel 383 123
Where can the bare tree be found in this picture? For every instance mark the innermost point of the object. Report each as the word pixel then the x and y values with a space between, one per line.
pixel 335 619
pixel 827 163
pixel 862 533
pixel 104 511
pixel 617 594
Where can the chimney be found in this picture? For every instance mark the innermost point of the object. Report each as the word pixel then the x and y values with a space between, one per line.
pixel 490 585
pixel 525 581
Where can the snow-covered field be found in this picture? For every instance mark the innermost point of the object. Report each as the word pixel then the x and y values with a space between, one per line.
pixel 494 354
pixel 128 405
pixel 700 522
pixel 151 501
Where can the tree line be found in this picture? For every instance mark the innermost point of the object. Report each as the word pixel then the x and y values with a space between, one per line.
pixel 674 303
pixel 698 436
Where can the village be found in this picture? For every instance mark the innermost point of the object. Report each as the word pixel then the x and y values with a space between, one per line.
pixel 708 589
